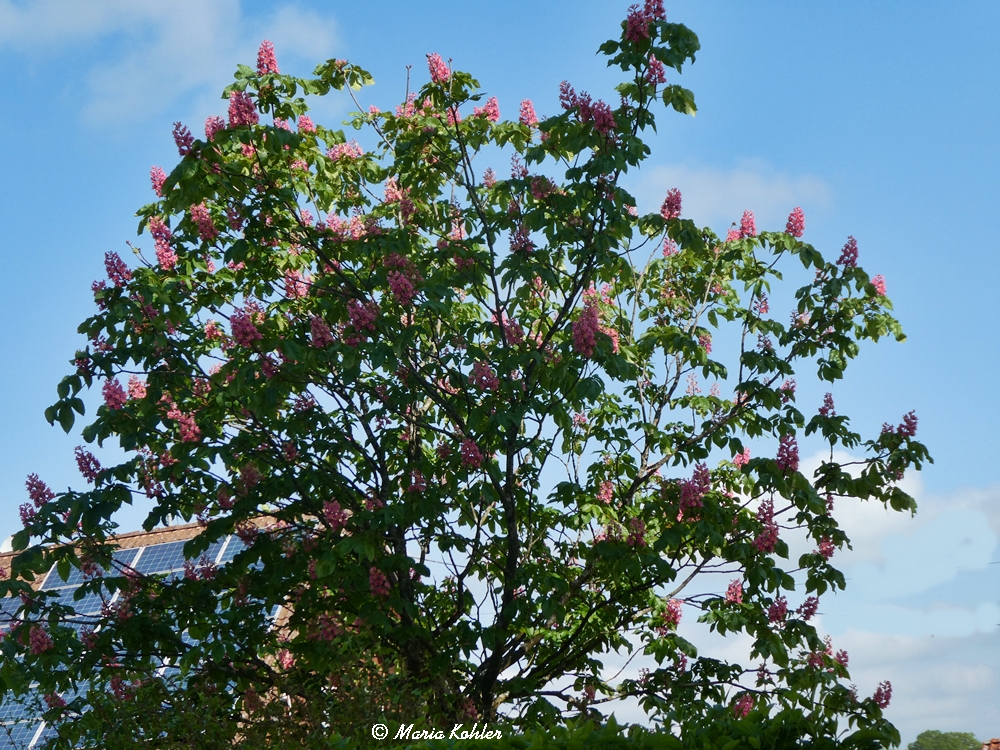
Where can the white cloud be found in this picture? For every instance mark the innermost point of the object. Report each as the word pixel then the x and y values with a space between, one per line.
pixel 151 54
pixel 717 197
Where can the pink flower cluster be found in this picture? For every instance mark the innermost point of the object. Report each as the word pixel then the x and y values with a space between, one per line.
pixel 203 220
pixel 606 492
pixel 671 208
pixel 778 611
pixel 39 640
pixel 213 125
pixel 638 20
pixel 471 455
pixel 599 113
pixel 826 548
pixel 788 454
pixel 116 269
pixel 796 224
pixel 585 329
pixel 165 254
pixel 242 110
pixel 743 705
pixel 38 491
pixel 378 583
pixel 187 428
pixel 883 694
pixel 266 61
pixel 403 279
pixel 879 283
pixel 335 516
pixel 349 150
pixel 807 610
pixel 849 255
pixel 243 328
pixel 527 114
pixel 734 593
pixel 483 377
pixel 767 538
pixel 827 409
pixel 114 395
pixel 320 332
pixel 655 73
pixel 183 138
pixel 362 318
pixel 672 615
pixel 748 226
pixel 637 533
pixel 693 490
pixel 306 124
pixel 157 177
pixel 438 68
pixel 491 110
pixel 87 463
pixel 742 459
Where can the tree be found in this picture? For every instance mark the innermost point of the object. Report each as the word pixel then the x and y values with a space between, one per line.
pixel 932 739
pixel 370 365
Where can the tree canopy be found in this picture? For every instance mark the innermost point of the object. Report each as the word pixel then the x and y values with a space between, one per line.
pixel 458 421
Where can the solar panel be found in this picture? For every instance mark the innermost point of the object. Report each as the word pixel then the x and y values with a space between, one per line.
pixel 18 736
pixel 161 558
pixel 76 577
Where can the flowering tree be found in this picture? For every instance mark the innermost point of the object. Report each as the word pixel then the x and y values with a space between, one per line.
pixel 456 421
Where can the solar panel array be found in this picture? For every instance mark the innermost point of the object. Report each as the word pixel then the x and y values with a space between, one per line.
pixel 20 729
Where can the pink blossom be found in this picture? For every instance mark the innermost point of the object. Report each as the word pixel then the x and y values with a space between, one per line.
pixel 748 227
pixel 787 390
pixel 827 409
pixel 842 658
pixel 27 514
pixel 335 516
pixel 489 178
pixel 213 125
pixel 826 547
pixel 636 24
pixel 114 395
pixel 655 73
pixel 244 330
pixel 491 110
pixel 788 454
pixel 585 329
pixel 320 331
pixel 483 377
pixel 671 208
pixel 849 255
pixel 606 492
pixel 39 640
pixel 295 286
pixel 808 608
pixel 286 659
pixel 879 283
pixel 693 490
pixel 471 455
pixel 417 482
pixel 157 177
pixel 162 236
pixel 669 247
pixel 742 707
pixel 604 119
pixel 520 240
pixel 116 269
pixel 362 316
pixel 203 219
pixel 266 61
pixel 777 612
pixel 438 69
pixel 732 235
pixel 87 463
pixel 672 614
pixel 654 10
pixel 38 491
pixel 742 459
pixel 183 139
pixel 567 96
pixel 54 701
pixel 734 593
pixel 767 537
pixel 637 533
pixel 242 110
pixel 883 694
pixel 349 150
pixel 527 116
pixel 306 124
pixel 402 288
pixel 796 222
pixel 378 583
pixel 909 426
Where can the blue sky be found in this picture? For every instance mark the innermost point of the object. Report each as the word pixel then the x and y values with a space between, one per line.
pixel 879 119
